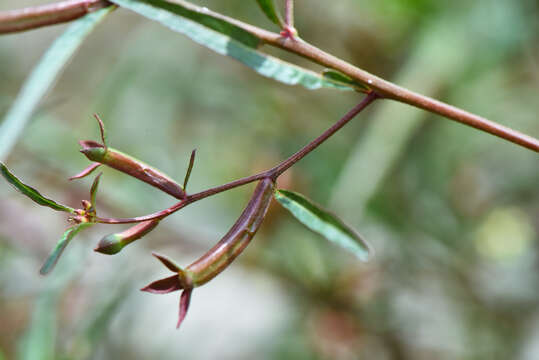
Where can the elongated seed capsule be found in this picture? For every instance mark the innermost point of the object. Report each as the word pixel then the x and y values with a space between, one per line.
pixel 236 239
pixel 131 166
pixel 219 256
pixel 114 243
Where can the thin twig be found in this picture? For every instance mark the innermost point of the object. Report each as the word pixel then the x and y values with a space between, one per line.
pixel 289 13
pixel 50 14
pixel 272 173
pixel 395 92
pixel 382 87
pixel 279 169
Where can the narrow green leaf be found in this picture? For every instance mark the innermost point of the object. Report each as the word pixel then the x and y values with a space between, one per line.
pixel 42 78
pixel 268 7
pixel 93 190
pixel 31 192
pixel 323 222
pixel 339 77
pixel 189 168
pixel 228 44
pixel 164 11
pixel 60 246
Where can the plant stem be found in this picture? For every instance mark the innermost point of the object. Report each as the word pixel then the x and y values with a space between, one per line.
pixel 282 167
pixel 395 92
pixel 382 87
pixel 289 13
pixel 50 14
pixel 272 173
pixel 297 46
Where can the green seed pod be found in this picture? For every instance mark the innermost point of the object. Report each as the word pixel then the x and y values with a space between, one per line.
pixel 114 243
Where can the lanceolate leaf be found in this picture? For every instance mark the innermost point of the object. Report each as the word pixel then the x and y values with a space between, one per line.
pixel 43 76
pixel 165 12
pixel 93 190
pixel 60 246
pixel 268 7
pixel 342 78
pixel 221 40
pixel 323 222
pixel 31 192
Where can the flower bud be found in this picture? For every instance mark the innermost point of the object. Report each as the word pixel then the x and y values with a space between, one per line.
pixel 114 243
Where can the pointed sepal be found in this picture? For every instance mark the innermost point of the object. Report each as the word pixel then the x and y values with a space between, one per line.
pixel 180 280
pixel 164 286
pixel 185 299
pixel 165 260
pixel 93 150
pixel 102 130
pixel 90 169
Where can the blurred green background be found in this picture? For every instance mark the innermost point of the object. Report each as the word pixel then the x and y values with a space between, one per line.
pixel 452 213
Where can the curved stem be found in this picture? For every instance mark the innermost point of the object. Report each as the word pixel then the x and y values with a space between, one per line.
pixel 282 167
pixel 9 23
pixel 272 173
pixel 50 14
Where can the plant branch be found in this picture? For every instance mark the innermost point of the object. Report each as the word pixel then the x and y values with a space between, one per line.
pixel 297 46
pixel 282 167
pixel 289 13
pixel 50 14
pixel 395 92
pixel 272 173
pixel 383 87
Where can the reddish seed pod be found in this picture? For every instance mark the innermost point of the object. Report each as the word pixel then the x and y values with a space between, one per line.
pixel 218 257
pixel 237 238
pixel 122 162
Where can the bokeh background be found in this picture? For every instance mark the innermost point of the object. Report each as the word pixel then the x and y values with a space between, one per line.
pixel 452 213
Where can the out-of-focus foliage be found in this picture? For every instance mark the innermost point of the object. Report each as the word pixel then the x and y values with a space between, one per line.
pixel 452 213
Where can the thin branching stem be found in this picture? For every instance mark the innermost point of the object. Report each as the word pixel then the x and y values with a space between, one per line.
pixel 285 165
pixel 297 46
pixel 272 173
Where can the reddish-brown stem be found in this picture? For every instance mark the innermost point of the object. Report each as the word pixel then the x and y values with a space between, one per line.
pixel 50 14
pixel 392 91
pixel 272 174
pixel 291 44
pixel 289 13
pixel 282 167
